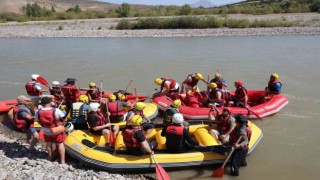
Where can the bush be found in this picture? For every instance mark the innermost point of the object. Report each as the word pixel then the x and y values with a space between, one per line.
pixel 124 10
pixel 315 6
pixel 148 23
pixel 124 24
pixel 237 23
pixel 185 10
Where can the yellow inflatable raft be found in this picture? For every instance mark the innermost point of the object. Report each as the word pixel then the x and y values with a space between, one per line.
pixel 89 150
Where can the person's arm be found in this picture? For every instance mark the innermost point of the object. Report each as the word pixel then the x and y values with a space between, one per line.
pixel 211 116
pixel 96 128
pixel 232 126
pixel 146 147
pixel 188 137
pixel 163 132
pixel 245 139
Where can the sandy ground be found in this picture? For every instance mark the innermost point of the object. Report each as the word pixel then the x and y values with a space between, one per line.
pixel 90 28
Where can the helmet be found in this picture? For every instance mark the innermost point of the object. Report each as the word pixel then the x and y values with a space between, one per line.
pixel 139 106
pixel 240 118
pixel 112 97
pixel 158 81
pixel 176 103
pixel 136 120
pixel 217 75
pixel 213 85
pixel 92 84
pixel 34 76
pixel 177 118
pixel 70 80
pixel 121 96
pixel 55 83
pixel 83 98
pixel 240 83
pixel 275 75
pixel 94 107
pixel 69 127
pixel 199 76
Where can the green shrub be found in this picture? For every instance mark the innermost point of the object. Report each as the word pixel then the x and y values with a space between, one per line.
pixel 148 23
pixel 124 10
pixel 185 10
pixel 124 24
pixel 237 23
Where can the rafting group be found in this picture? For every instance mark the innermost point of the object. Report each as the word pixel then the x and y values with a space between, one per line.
pixel 121 122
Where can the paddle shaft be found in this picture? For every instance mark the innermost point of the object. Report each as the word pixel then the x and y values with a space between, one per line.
pixel 248 109
pixel 128 86
pixel 229 155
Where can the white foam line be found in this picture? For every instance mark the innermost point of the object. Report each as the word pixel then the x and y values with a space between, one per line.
pixel 5 82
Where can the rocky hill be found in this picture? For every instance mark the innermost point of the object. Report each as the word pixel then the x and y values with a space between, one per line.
pixel 16 6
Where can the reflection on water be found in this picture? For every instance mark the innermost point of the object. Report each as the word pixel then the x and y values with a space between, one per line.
pixel 251 59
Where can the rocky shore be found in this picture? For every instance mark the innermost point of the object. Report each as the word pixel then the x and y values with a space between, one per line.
pixel 17 162
pixel 310 25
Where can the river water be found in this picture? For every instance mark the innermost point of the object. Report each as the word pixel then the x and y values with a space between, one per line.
pixel 290 147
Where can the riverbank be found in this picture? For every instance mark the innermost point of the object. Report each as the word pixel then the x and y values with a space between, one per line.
pixel 17 162
pixel 309 25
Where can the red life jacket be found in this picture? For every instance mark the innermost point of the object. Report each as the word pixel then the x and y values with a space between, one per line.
pixel 100 121
pixel 48 119
pixel 136 112
pixel 172 83
pixel 115 109
pixel 234 137
pixel 192 101
pixel 21 123
pixel 129 139
pixel 174 136
pixel 223 123
pixel 95 95
pixel 194 81
pixel 271 85
pixel 31 90
pixel 57 92
pixel 70 93
pixel 240 93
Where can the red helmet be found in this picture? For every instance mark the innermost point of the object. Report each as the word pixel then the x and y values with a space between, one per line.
pixel 240 83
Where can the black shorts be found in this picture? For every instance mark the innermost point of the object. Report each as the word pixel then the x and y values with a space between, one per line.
pixel 146 126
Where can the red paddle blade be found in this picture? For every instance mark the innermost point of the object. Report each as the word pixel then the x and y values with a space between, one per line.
pixel 41 135
pixel 161 173
pixel 218 173
pixel 42 81
pixel 112 140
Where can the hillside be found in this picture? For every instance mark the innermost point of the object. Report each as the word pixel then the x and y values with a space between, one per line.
pixel 16 6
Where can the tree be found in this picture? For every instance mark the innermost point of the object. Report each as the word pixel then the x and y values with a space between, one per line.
pixel 315 6
pixel 185 10
pixel 124 10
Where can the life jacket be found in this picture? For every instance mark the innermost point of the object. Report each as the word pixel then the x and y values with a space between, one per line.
pixel 174 136
pixel 78 110
pixel 213 95
pixel 235 134
pixel 70 93
pixel 219 82
pixel 136 112
pixel 115 109
pixel 172 83
pixel 57 92
pixel 223 123
pixel 129 139
pixel 31 90
pixel 48 119
pixel 240 93
pixel 271 85
pixel 192 101
pixel 169 113
pixel 100 121
pixel 194 81
pixel 95 95
pixel 21 123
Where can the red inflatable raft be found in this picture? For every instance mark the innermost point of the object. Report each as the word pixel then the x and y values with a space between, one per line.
pixel 260 105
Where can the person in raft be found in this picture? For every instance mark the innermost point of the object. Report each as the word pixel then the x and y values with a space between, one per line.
pixel 79 112
pixel 55 90
pixel 71 93
pixel 23 117
pixel 134 139
pixel 221 83
pixel 51 118
pixel 97 124
pixel 171 87
pixel 243 131
pixel 240 97
pixel 178 139
pixel 274 85
pixel 225 125
pixel 190 84
pixel 146 124
pixel 173 109
pixel 116 107
pixel 215 95
pixel 34 89
pixel 94 93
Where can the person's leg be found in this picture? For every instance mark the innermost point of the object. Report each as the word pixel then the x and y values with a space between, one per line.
pixel 106 134
pixel 49 150
pixel 115 131
pixel 61 150
pixel 34 138
pixel 243 157
pixel 215 134
pixel 234 165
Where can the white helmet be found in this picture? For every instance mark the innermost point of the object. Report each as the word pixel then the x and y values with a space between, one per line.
pixel 55 83
pixel 34 76
pixel 177 118
pixel 69 127
pixel 94 107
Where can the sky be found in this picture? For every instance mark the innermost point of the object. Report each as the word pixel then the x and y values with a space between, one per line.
pixel 169 2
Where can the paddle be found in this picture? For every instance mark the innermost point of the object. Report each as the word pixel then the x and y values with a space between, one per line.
pixel 42 81
pixel 161 173
pixel 251 111
pixel 218 173
pixel 128 86
pixel 111 136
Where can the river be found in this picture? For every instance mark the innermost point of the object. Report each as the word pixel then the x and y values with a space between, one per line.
pixel 289 148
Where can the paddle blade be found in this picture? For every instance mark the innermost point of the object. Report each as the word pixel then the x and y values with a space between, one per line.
pixel 218 173
pixel 161 173
pixel 42 81
pixel 112 140
pixel 41 135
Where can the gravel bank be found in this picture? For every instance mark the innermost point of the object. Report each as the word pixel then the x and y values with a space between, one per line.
pixel 17 162
pixel 310 25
